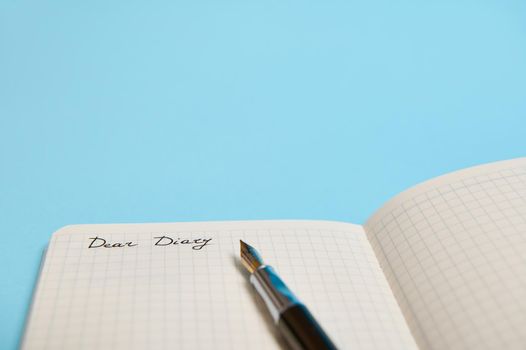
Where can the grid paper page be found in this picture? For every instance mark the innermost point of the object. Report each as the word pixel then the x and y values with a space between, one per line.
pixel 176 297
pixel 454 252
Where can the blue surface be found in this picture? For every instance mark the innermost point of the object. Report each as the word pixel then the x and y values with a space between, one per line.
pixel 153 111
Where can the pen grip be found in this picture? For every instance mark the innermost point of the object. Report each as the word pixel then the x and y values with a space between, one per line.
pixel 302 331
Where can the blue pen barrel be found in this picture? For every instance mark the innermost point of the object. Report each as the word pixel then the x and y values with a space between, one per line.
pixel 302 331
pixel 297 325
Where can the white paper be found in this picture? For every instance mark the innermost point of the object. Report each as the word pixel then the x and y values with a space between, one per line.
pixel 195 295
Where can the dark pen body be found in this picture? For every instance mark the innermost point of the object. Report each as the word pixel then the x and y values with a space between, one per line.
pixel 297 325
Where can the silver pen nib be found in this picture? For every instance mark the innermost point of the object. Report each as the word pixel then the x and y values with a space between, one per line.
pixel 250 257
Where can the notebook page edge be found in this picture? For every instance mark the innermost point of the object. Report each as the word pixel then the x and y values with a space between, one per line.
pixel 233 224
pixel 437 181
pixel 33 298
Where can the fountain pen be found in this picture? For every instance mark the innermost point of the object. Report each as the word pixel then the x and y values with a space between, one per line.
pixel 294 321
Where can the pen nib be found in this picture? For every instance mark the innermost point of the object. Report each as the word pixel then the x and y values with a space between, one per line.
pixel 250 257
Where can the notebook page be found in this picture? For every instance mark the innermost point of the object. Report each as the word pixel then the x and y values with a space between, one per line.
pixel 454 252
pixel 156 295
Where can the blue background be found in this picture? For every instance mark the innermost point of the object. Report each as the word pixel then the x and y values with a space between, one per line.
pixel 127 111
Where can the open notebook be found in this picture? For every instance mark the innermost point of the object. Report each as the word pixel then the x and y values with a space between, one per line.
pixel 441 266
